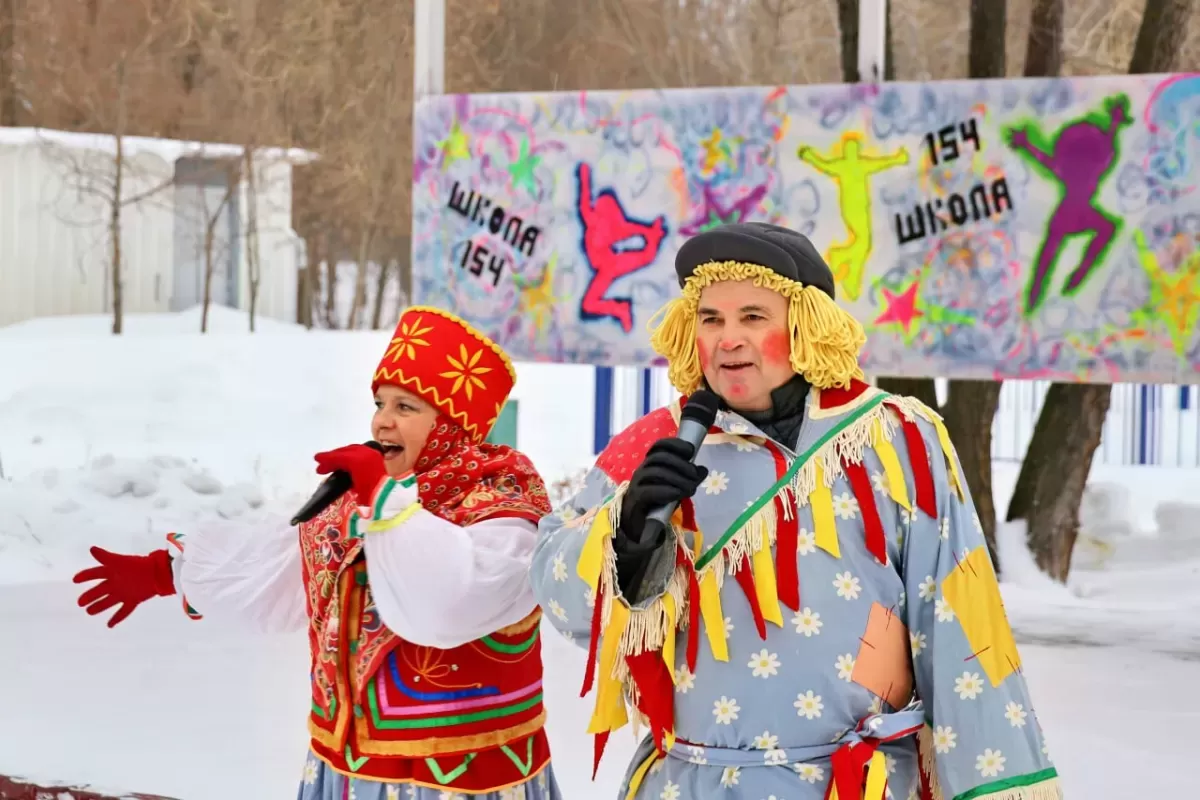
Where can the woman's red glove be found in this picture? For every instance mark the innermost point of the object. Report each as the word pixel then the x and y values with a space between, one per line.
pixel 365 465
pixel 126 579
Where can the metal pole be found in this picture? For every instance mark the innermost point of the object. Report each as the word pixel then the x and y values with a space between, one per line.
pixel 429 54
pixel 872 47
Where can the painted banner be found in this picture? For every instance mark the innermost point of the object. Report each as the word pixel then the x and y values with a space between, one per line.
pixel 1007 228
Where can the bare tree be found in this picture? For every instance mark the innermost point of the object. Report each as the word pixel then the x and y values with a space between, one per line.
pixel 211 220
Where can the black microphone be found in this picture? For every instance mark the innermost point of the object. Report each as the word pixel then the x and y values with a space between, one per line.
pixel 333 487
pixel 695 419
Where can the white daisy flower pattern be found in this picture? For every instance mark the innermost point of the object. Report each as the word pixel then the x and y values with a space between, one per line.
pixel 847 585
pixel 685 679
pixel 990 763
pixel 766 741
pixel 726 710
pixel 927 588
pixel 808 705
pixel 944 739
pixel 1015 714
pixel 806 542
pixel 729 777
pixel 670 792
pixel 393 792
pixel 775 757
pixel 916 642
pixel 810 772
pixel 879 482
pixel 310 772
pixel 968 685
pixel 696 755
pixel 559 568
pixel 557 610
pixel 845 666
pixel 764 664
pixel 845 506
pixel 715 483
pixel 807 622
pixel 943 611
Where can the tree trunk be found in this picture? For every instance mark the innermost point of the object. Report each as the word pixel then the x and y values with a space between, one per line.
pixel 10 102
pixel 1044 47
pixel 969 412
pixel 253 267
pixel 331 320
pixel 971 406
pixel 1071 422
pixel 114 222
pixel 985 45
pixel 210 235
pixel 1054 473
pixel 360 277
pixel 385 271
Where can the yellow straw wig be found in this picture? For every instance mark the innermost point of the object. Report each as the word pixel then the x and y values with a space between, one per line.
pixel 826 340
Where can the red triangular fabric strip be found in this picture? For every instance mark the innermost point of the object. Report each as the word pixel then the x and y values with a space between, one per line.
pixel 860 484
pixel 787 541
pixel 693 638
pixel 918 456
pixel 656 693
pixel 745 579
pixel 589 674
pixel 848 763
pixel 599 742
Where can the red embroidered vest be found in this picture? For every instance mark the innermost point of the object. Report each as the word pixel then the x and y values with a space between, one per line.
pixel 468 719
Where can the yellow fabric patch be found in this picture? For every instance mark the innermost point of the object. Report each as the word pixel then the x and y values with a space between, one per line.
pixel 764 584
pixel 821 501
pixel 974 595
pixel 714 619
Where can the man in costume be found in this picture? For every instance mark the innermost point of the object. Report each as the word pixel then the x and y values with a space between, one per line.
pixel 413 587
pixel 822 619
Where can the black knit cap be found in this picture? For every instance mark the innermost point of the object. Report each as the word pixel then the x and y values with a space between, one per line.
pixel 779 249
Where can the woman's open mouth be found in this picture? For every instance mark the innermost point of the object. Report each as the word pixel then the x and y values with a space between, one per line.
pixel 391 450
pixel 737 366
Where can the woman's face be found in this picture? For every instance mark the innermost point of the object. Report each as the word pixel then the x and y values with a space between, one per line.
pixel 401 424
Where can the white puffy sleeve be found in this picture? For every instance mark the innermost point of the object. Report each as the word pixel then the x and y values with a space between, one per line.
pixel 441 585
pixel 247 578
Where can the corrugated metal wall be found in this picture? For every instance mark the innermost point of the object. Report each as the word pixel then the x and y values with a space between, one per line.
pixel 54 242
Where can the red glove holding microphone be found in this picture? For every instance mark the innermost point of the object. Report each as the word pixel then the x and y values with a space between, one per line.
pixel 363 463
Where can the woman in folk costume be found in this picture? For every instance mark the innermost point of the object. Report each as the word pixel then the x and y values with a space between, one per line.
pixel 413 587
pixel 822 619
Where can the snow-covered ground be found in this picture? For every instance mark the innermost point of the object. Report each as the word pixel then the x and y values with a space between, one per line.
pixel 115 441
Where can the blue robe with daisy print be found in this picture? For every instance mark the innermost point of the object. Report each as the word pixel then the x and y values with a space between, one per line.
pixel 823 622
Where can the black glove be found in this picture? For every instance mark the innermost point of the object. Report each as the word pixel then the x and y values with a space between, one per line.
pixel 666 476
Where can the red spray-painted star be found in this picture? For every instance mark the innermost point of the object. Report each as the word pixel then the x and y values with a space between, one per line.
pixel 901 308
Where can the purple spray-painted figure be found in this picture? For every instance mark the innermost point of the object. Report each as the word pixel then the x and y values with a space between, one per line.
pixel 1079 158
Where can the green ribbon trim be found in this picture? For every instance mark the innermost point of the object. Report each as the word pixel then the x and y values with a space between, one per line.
pixel 525 766
pixel 795 467
pixel 1016 782
pixel 451 719
pixel 446 777
pixel 516 647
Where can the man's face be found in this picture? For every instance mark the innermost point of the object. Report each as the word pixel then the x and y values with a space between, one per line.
pixel 744 343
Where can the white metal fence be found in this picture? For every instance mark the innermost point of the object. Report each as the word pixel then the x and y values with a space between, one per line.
pixel 1148 425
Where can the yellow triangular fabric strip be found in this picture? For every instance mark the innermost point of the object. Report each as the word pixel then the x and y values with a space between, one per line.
pixel 897 486
pixel 591 556
pixel 764 584
pixel 610 713
pixel 639 774
pixel 668 650
pixel 821 501
pixel 714 619
pixel 948 449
